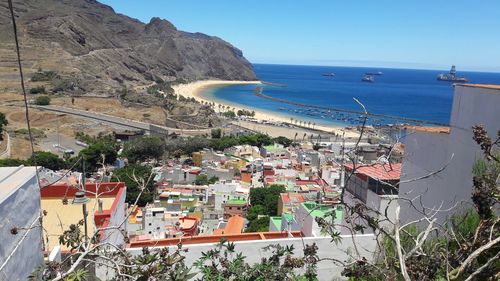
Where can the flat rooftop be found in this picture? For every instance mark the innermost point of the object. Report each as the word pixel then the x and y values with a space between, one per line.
pixel 214 239
pixel 11 178
pixel 429 129
pixel 59 216
pixel 482 86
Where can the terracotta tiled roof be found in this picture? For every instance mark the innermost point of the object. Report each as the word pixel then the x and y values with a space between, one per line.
pixel 378 171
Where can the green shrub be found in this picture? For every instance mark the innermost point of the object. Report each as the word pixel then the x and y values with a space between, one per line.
pixel 229 114
pixel 42 100
pixel 38 90
pixel 44 76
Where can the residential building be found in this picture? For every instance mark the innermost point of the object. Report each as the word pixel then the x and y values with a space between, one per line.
pixel 220 173
pixel 331 175
pixel 244 151
pixel 377 179
pixel 178 174
pixel 289 202
pixel 235 207
pixel 442 158
pixel 234 225
pixel 306 214
pixel 374 185
pixel 21 247
pixel 275 150
pixel 228 190
pixel 108 211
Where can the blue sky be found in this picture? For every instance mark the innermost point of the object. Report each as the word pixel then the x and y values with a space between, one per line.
pixel 385 33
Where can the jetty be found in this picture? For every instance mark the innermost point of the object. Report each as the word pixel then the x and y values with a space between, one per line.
pixel 258 92
pixel 274 84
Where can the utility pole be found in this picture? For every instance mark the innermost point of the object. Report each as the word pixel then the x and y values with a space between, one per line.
pixel 342 171
pixel 58 136
pixel 84 206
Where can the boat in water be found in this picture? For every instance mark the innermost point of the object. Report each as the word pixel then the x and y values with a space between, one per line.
pixel 368 78
pixel 328 74
pixel 375 73
pixel 451 76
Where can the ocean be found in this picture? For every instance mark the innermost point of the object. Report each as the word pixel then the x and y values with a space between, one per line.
pixel 406 93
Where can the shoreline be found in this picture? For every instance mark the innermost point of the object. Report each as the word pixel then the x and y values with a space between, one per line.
pixel 194 90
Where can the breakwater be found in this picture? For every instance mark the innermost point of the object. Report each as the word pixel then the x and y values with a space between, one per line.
pixel 258 91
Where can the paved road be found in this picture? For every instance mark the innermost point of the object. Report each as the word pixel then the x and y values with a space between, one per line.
pixel 66 143
pixel 117 120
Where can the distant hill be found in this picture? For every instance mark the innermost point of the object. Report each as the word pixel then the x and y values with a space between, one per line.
pixel 94 50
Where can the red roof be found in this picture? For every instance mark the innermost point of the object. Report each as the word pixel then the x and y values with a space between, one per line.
pixel 378 171
pixel 319 182
pixel 296 198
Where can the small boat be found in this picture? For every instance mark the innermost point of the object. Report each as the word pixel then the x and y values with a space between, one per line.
pixel 328 74
pixel 375 73
pixel 451 76
pixel 368 78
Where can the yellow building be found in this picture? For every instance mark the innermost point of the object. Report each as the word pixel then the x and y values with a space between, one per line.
pixel 198 158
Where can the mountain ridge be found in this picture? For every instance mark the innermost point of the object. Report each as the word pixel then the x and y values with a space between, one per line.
pixel 99 51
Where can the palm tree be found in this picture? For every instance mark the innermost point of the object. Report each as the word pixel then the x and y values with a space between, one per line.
pixel 291 120
pixel 309 124
pixel 314 124
pixel 305 135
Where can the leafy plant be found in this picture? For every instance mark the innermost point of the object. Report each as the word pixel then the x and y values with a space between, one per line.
pixel 42 100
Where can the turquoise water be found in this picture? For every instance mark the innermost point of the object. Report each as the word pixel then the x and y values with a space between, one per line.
pixel 399 92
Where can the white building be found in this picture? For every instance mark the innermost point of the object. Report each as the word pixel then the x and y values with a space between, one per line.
pixel 20 252
pixel 428 150
pixel 244 151
pixel 179 175
pixel 228 190
pixel 220 173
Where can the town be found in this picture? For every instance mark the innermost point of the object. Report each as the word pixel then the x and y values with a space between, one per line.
pixel 137 190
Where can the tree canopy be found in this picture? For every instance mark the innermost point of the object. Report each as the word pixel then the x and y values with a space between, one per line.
pixel 144 148
pixel 267 197
pixel 283 140
pixel 48 160
pixel 93 154
pixel 3 122
pixel 142 173
pixel 203 179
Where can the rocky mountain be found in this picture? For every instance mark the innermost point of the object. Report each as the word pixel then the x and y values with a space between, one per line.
pixel 95 50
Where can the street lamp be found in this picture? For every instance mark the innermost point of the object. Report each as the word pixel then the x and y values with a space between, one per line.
pixel 81 199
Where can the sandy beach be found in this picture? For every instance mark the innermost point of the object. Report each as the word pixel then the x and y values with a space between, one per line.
pixel 194 89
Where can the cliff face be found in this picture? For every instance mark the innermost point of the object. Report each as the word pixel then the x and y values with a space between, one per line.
pixel 99 50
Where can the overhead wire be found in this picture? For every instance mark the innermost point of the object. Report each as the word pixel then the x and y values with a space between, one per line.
pixel 30 134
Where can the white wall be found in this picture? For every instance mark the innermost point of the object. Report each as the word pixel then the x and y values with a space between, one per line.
pixel 254 252
pixel 428 152
pixel 116 219
pixel 21 209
